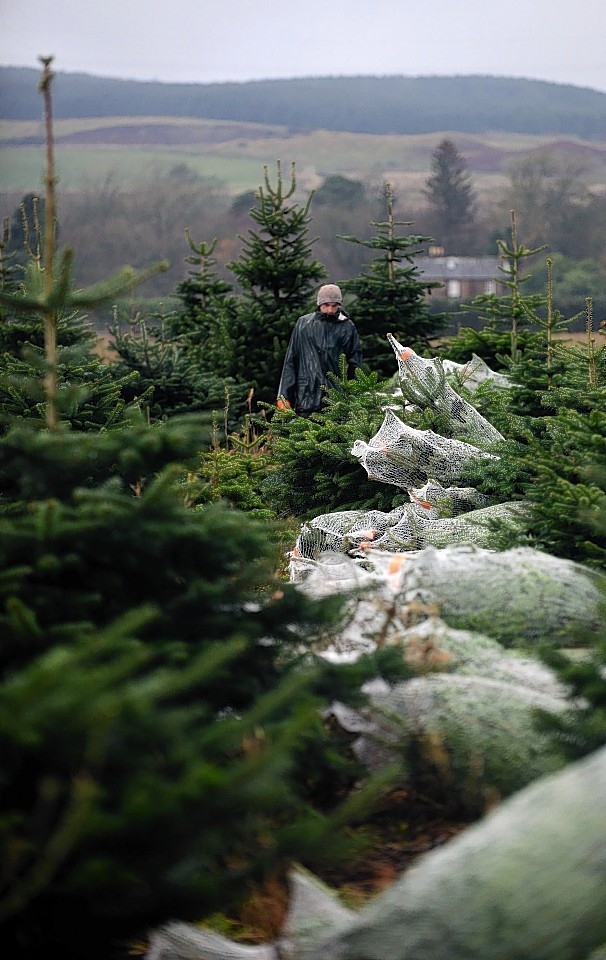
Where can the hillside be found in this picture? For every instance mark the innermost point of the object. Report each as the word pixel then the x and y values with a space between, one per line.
pixel 372 105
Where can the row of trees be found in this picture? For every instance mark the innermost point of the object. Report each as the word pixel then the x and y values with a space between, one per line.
pixel 160 730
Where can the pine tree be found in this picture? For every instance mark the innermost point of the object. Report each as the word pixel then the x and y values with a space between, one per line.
pixel 389 297
pixel 451 196
pixel 506 317
pixel 156 717
pixel 313 469
pixel 277 276
pixel 88 395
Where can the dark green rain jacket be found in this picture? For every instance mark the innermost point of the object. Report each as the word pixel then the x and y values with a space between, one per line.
pixel 314 350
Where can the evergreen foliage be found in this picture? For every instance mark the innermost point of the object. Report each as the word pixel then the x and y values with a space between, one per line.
pixel 451 196
pixel 89 396
pixel 389 297
pixel 179 360
pixel 313 470
pixel 157 718
pixel 470 104
pixel 554 419
pixel 506 317
pixel 131 625
pixel 582 728
pixel 234 471
pixel 207 308
pixel 164 374
pixel 277 277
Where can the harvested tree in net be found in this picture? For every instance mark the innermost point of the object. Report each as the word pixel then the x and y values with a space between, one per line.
pixel 407 457
pixel 424 383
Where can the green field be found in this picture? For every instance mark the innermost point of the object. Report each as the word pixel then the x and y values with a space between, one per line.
pixel 140 150
pixel 81 169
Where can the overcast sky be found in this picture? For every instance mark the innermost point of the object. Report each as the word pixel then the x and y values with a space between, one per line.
pixel 202 41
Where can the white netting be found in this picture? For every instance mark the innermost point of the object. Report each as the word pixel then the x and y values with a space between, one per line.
pixel 519 597
pixel 474 373
pixel 536 867
pixel 447 501
pixel 406 457
pixel 345 529
pixel 424 383
pixel 408 527
pixel 414 531
pixel 480 727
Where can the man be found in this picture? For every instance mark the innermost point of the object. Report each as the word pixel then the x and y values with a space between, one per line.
pixel 314 350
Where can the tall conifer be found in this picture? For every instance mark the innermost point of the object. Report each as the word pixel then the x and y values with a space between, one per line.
pixel 155 718
pixel 389 296
pixel 278 277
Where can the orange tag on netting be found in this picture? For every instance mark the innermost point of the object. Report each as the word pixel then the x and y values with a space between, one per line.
pixel 395 564
pixel 420 503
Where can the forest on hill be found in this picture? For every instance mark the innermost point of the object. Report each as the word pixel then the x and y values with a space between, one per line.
pixel 139 164
pixel 378 105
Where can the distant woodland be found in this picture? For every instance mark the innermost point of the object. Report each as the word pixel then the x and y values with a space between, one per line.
pixel 141 163
pixel 379 105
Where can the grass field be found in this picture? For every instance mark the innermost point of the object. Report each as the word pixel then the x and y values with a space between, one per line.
pixel 143 149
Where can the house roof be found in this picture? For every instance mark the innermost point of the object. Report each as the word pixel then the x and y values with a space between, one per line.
pixel 459 268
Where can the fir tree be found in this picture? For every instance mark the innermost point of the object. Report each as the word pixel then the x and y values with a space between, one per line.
pixel 88 395
pixel 277 276
pixel 451 197
pixel 207 313
pixel 389 297
pixel 47 293
pixel 506 317
pixel 313 468
pixel 155 713
pixel 179 358
pixel 164 374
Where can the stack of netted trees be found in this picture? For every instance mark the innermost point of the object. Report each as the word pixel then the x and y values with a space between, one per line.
pixel 471 620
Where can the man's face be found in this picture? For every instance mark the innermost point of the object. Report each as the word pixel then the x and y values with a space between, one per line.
pixel 330 308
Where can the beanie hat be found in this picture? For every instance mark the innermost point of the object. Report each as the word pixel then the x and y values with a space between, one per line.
pixel 329 293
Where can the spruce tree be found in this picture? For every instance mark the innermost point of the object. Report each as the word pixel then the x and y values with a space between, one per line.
pixel 207 309
pixel 507 318
pixel 390 296
pixel 451 196
pixel 155 712
pixel 89 396
pixel 277 276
